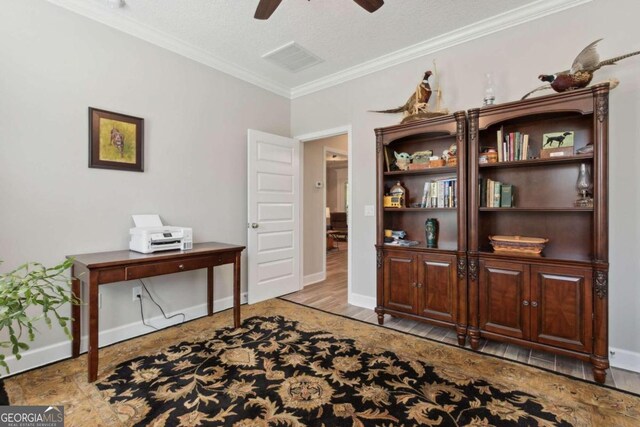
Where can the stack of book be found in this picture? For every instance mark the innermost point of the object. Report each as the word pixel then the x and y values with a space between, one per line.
pixel 440 193
pixel 512 146
pixel 495 194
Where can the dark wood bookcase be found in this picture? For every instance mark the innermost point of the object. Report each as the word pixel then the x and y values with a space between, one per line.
pixel 558 301
pixel 417 282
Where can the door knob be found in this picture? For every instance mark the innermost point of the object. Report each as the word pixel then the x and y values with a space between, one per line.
pixel 525 303
pixel 534 303
pixel 254 225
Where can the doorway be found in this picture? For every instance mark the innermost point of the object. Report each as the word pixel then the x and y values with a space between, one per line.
pixel 326 218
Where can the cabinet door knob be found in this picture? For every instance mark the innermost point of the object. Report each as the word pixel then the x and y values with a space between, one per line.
pixel 419 285
pixel 534 303
pixel 181 266
pixel 525 303
pixel 414 285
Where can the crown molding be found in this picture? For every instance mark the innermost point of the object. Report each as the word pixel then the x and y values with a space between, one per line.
pixel 503 21
pixel 122 22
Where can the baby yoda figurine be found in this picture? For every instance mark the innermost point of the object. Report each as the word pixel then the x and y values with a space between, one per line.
pixel 421 156
pixel 402 160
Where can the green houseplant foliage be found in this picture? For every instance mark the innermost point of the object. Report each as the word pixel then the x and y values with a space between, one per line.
pixel 32 285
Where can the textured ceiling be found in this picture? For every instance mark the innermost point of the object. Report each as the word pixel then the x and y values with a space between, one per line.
pixel 338 31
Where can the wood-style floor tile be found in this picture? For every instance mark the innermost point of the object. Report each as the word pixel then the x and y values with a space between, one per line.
pixel 331 295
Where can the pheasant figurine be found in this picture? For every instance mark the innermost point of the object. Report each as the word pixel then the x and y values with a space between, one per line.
pixel 581 73
pixel 418 100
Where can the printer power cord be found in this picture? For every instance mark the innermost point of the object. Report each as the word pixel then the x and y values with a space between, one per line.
pixel 144 286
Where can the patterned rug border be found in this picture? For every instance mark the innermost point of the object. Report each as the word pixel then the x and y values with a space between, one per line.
pixel 561 374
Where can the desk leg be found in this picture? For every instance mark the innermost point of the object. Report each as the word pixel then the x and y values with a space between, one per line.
pixel 236 291
pixel 92 355
pixel 210 291
pixel 75 316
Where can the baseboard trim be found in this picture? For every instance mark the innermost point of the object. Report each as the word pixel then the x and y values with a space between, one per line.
pixel 310 279
pixel 624 359
pixel 62 350
pixel 362 301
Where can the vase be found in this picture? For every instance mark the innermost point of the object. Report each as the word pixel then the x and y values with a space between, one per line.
pixel 431 232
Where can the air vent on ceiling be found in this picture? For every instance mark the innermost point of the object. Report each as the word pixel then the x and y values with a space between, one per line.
pixel 292 57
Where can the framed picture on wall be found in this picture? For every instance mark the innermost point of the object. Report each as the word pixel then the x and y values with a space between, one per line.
pixel 116 141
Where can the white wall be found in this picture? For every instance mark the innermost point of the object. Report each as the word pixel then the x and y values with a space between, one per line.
pixel 516 56
pixel 314 217
pixel 56 64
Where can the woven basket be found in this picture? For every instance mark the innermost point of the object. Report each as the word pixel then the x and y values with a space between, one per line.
pixel 518 244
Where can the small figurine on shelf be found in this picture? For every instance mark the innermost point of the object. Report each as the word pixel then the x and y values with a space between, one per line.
pixel 402 160
pixel 449 155
pixel 420 159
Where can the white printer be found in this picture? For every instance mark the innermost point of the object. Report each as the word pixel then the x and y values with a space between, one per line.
pixel 149 235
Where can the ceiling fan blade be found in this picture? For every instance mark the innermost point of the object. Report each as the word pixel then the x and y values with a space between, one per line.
pixel 266 8
pixel 370 5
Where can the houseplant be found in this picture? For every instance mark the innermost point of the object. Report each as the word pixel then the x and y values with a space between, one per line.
pixel 31 285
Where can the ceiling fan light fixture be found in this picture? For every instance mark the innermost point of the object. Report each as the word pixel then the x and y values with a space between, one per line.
pixel 266 7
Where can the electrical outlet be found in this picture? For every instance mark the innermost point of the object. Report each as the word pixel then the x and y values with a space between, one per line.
pixel 137 291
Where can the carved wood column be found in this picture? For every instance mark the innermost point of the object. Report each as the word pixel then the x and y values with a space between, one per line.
pixel 600 355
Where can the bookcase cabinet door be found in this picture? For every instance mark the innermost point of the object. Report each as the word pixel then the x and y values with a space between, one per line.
pixel 561 301
pixel 400 281
pixel 437 287
pixel 504 298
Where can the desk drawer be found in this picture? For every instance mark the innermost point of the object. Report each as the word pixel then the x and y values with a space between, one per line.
pixel 224 258
pixel 159 268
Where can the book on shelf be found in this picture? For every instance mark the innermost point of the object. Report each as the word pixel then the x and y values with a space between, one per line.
pixel 425 194
pixel 512 146
pixel 495 194
pixel 506 196
pixel 440 193
pixel 497 191
pixel 499 146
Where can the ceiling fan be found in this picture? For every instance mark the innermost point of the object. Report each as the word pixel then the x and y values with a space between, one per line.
pixel 267 7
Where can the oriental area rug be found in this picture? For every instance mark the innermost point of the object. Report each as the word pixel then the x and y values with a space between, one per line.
pixel 290 365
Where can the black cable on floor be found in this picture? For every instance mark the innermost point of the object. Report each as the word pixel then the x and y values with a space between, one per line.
pixel 184 317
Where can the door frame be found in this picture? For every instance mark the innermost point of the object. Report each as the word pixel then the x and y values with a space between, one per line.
pixel 326 150
pixel 327 133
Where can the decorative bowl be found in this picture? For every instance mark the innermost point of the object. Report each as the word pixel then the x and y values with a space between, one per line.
pixel 518 245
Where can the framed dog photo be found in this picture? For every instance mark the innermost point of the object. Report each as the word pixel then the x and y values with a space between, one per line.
pixel 557 144
pixel 116 141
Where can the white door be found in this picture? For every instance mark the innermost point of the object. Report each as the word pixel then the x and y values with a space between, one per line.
pixel 274 223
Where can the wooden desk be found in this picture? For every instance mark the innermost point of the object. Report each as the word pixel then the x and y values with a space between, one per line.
pixel 118 266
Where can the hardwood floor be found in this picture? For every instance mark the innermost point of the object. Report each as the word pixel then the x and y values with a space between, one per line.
pixel 331 295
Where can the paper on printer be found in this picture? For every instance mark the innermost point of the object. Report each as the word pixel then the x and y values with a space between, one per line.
pixel 149 235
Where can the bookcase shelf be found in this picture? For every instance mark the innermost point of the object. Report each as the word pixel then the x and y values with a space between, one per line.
pixel 567 259
pixel 417 282
pixel 557 301
pixel 417 209
pixel 427 171
pixel 536 209
pixel 537 162
pixel 447 249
